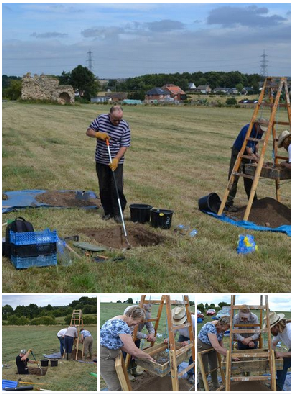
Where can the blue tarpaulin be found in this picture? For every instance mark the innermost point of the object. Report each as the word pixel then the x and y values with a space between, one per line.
pixel 250 225
pixel 27 198
pixel 8 384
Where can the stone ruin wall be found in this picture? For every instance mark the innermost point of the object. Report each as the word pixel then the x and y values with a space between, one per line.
pixel 46 88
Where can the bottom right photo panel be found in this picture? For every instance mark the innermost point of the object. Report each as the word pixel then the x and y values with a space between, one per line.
pixel 243 342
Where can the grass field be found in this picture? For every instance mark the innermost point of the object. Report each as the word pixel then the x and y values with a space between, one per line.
pixel 67 376
pixel 178 155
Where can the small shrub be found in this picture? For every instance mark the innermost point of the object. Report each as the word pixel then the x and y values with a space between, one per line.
pixel 46 320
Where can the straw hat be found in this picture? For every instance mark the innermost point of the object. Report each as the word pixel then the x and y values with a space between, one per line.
pixel 274 318
pixel 262 125
pixel 284 134
pixel 179 315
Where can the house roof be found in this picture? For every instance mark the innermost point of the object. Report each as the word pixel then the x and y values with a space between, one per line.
pixel 157 92
pixel 173 89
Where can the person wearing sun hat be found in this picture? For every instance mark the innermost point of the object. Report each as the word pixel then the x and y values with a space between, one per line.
pixel 284 141
pixel 246 340
pixel 258 128
pixel 281 331
pixel 179 317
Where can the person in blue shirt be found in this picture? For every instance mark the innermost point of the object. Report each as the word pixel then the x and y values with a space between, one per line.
pixel 115 335
pixel 251 150
pixel 87 341
pixel 211 337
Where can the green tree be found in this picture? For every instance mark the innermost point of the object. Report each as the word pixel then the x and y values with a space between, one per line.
pixel 200 307
pixel 239 87
pixel 13 92
pixel 222 303
pixel 7 310
pixel 84 81
pixel 130 301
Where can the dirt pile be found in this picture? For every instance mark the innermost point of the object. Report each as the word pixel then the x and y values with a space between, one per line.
pixel 150 382
pixel 138 235
pixel 66 199
pixel 266 212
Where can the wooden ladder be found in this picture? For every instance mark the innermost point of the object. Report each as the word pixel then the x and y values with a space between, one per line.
pixel 261 355
pixel 274 86
pixel 173 352
pixel 202 369
pixel 77 321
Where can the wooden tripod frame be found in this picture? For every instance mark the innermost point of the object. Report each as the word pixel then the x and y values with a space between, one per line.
pixel 273 86
pixel 173 352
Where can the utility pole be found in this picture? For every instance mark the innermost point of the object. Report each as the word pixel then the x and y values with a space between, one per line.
pixel 89 61
pixel 263 65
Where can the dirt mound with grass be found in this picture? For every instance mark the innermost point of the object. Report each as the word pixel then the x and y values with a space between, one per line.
pixel 150 382
pixel 66 199
pixel 114 237
pixel 266 212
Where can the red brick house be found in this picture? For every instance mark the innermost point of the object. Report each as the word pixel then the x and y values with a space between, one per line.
pixel 175 92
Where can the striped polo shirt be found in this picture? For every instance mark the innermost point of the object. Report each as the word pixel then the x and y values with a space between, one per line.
pixel 120 136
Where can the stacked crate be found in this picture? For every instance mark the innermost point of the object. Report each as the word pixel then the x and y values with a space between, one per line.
pixel 31 249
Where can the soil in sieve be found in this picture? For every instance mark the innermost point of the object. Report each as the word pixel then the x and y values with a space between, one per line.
pixel 266 212
pixel 66 199
pixel 138 235
pixel 151 382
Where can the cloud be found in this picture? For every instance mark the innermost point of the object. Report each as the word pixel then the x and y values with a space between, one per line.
pixel 102 32
pixel 49 35
pixel 250 16
pixel 165 25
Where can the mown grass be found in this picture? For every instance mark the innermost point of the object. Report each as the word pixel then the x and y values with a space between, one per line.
pixel 67 376
pixel 178 155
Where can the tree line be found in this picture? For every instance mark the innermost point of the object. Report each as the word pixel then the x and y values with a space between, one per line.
pixel 33 311
pixel 85 82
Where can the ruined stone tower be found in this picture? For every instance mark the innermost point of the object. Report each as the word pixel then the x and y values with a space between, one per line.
pixel 46 88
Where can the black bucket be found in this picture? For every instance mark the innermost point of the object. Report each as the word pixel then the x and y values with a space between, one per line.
pixel 54 363
pixel 210 203
pixel 161 218
pixel 140 213
pixel 44 363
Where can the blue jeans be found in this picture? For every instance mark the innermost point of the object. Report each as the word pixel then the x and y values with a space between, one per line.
pixel 191 371
pixel 281 374
pixel 68 343
pixel 240 346
pixel 61 341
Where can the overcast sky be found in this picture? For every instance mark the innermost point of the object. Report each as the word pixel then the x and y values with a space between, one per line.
pixel 277 302
pixel 42 299
pixel 128 40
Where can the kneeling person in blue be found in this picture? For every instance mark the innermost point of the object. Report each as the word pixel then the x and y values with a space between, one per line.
pixel 281 330
pixel 246 340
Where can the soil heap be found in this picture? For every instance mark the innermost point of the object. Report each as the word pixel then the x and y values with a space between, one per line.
pixel 266 212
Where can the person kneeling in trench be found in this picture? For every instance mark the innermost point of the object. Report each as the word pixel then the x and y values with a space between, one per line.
pixel 115 335
pixel 21 362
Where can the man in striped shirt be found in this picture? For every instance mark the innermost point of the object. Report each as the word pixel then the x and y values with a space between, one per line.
pixel 113 128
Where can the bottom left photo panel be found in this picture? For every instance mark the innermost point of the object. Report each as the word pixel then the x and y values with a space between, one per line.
pixel 49 342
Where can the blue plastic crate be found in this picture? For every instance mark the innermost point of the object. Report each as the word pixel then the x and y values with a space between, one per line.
pixel 34 238
pixel 39 261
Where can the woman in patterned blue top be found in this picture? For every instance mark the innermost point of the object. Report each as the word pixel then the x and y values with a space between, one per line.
pixel 210 337
pixel 115 335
